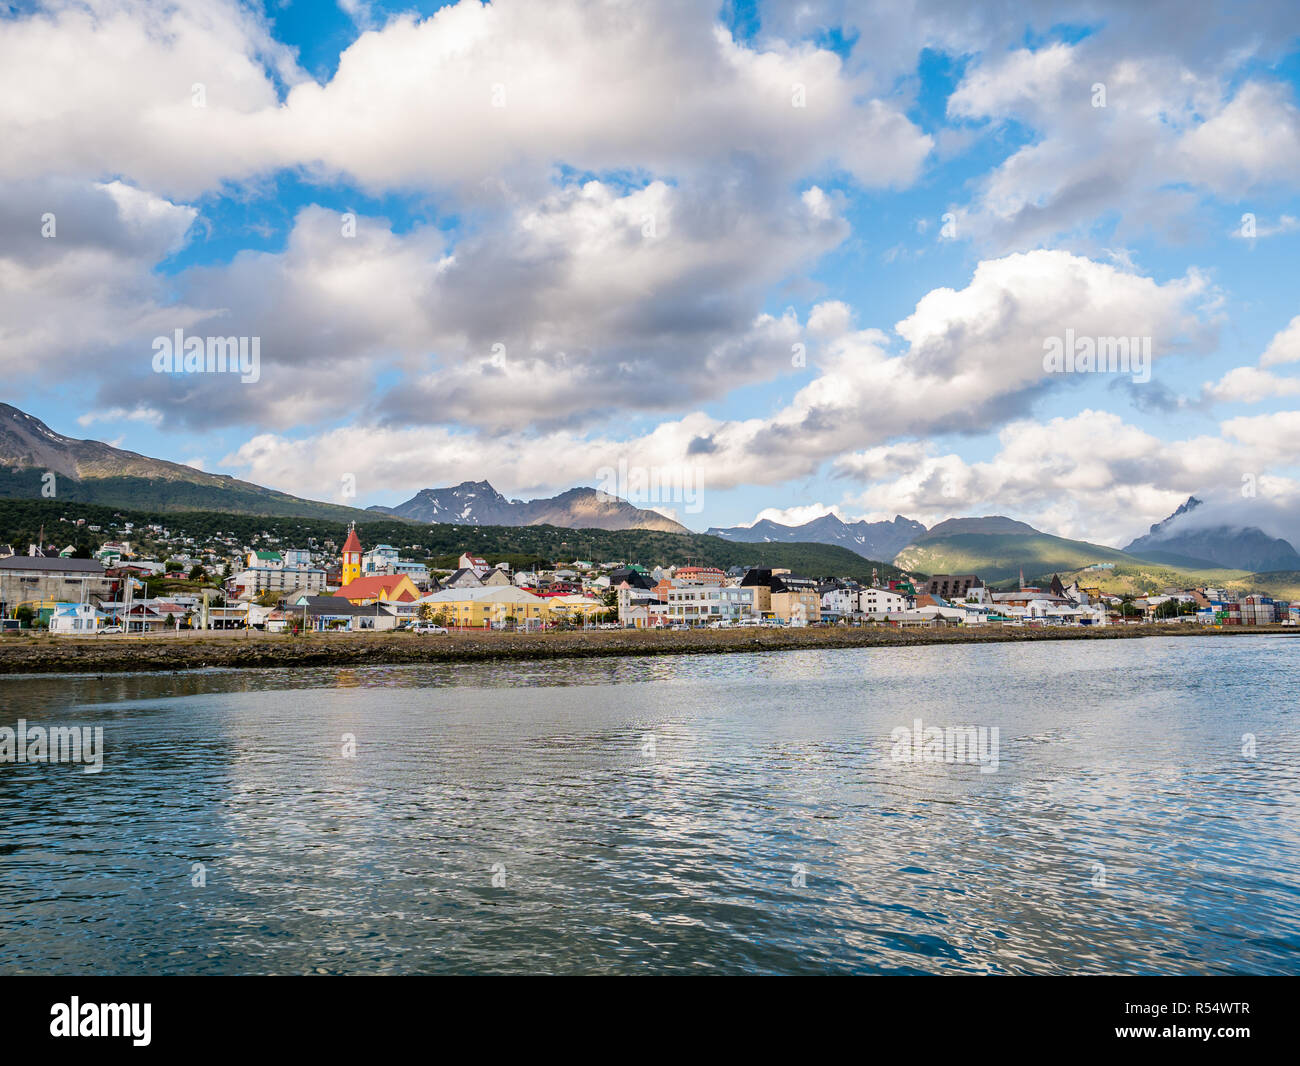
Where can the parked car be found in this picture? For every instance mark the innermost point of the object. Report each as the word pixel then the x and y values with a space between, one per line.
pixel 109 629
pixel 429 627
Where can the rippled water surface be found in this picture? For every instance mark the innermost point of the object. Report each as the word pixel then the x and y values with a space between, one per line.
pixel 734 813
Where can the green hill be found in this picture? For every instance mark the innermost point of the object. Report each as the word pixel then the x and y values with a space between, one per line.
pixel 999 558
pixel 164 495
pixel 21 519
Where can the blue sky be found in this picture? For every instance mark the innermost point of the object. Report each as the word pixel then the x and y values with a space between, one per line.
pixel 590 232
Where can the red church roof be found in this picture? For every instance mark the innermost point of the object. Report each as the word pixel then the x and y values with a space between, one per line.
pixel 374 588
pixel 353 543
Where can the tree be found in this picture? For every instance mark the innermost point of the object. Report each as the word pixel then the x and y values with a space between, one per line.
pixel 25 615
pixel 197 573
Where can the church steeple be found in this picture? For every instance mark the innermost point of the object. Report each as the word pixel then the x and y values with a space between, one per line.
pixel 351 556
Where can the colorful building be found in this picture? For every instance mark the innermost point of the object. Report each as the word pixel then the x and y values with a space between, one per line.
pixel 351 569
pixel 382 588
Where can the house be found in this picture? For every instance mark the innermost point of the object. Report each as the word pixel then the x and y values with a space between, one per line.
pixel 471 562
pixel 417 572
pixel 76 619
pixel 322 613
pixel 700 575
pixel 639 607
pixel 574 608
pixel 387 588
pixel 882 603
pixel 841 601
pixel 264 560
pixel 464 578
pixel 496 578
pixel 140 617
pixel 379 560
pixel 633 577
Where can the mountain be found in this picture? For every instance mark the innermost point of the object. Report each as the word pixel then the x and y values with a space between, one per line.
pixel 1001 556
pixel 1239 547
pixel 477 503
pixel 989 524
pixel 89 471
pixel 999 549
pixel 871 540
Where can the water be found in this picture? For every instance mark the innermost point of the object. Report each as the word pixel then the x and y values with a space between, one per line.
pixel 735 813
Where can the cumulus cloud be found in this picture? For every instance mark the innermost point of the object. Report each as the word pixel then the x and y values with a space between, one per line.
pixel 185 95
pixel 1094 477
pixel 971 358
pixel 77 275
pixel 1253 384
pixel 1140 138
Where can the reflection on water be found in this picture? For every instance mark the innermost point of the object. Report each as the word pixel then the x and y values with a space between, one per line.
pixel 737 813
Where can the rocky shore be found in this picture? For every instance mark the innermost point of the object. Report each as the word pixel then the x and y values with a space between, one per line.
pixel 44 654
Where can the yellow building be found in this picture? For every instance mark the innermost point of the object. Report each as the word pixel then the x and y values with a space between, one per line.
pixel 385 588
pixel 804 605
pixel 483 607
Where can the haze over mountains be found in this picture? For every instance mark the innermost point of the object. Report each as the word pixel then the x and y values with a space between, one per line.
pixel 1181 539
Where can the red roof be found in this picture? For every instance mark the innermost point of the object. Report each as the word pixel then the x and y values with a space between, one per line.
pixel 353 543
pixel 374 588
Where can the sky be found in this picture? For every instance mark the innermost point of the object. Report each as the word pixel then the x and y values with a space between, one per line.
pixel 770 260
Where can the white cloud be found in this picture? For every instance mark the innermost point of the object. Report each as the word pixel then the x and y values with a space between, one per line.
pixel 506 90
pixel 1165 136
pixel 974 355
pixel 1094 477
pixel 795 516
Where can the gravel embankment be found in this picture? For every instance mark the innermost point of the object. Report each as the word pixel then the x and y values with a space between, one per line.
pixel 24 654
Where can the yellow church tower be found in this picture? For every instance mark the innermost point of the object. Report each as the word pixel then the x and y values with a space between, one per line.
pixel 351 556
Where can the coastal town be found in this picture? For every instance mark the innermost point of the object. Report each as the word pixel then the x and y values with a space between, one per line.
pixel 128 588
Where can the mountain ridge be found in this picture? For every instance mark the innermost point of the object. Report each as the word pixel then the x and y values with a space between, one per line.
pixel 871 540
pixel 1244 547
pixel 477 503
pixel 90 471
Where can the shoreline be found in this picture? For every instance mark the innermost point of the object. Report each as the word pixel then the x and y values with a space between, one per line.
pixel 46 654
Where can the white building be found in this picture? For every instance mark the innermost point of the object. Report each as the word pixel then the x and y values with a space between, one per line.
pixel 880 603
pixel 841 601
pixel 251 583
pixel 378 560
pixel 76 618
pixel 701 604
